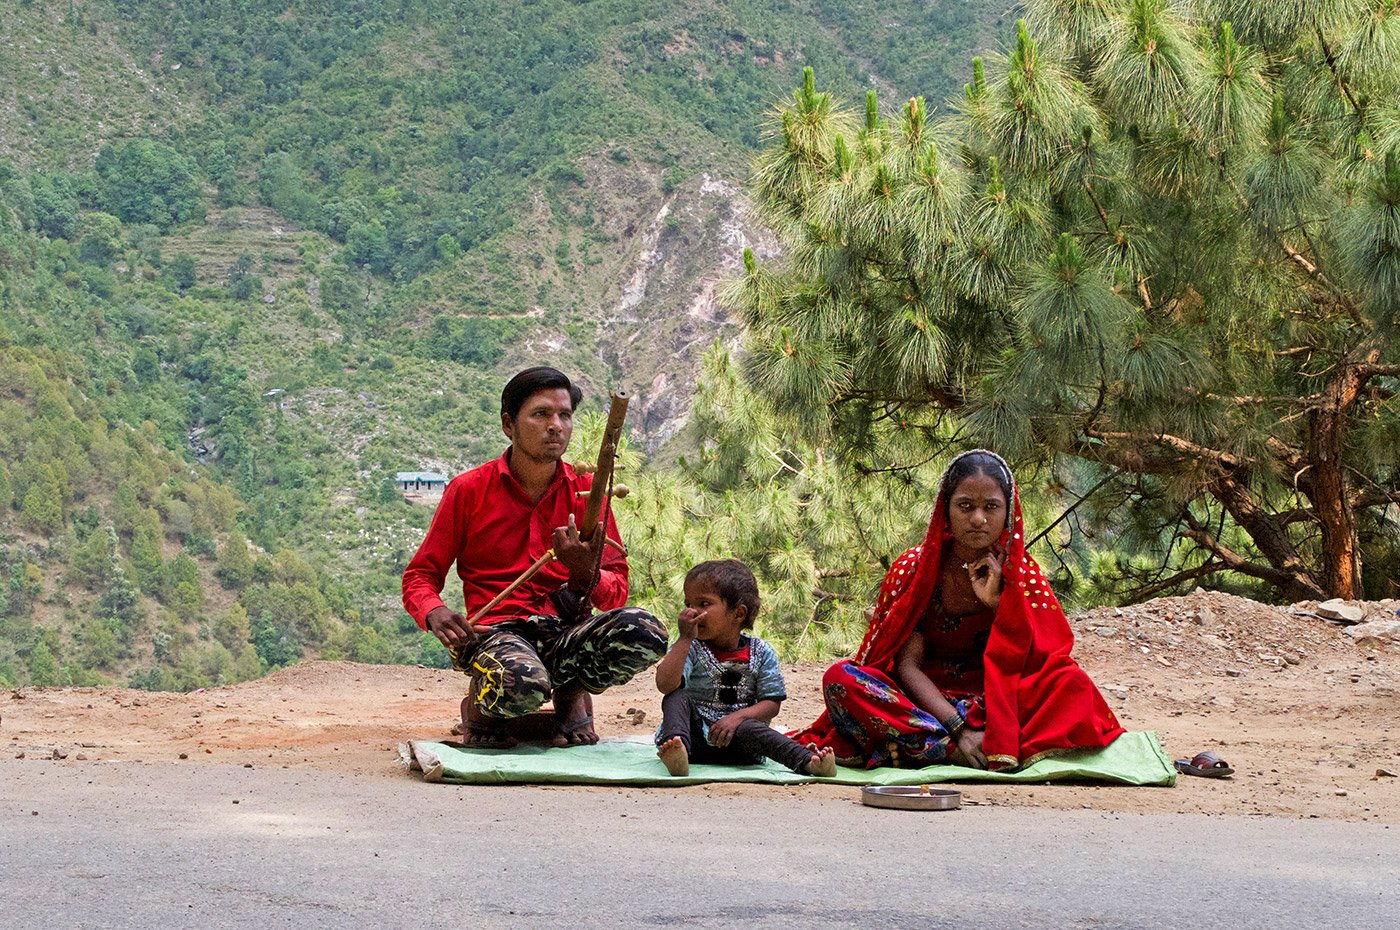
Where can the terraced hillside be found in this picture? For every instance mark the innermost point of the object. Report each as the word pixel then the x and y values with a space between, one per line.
pixel 314 236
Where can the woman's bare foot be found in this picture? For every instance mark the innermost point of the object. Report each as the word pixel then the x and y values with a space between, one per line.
pixel 823 763
pixel 482 732
pixel 573 717
pixel 674 756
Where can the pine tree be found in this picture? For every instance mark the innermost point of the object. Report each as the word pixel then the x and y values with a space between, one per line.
pixel 232 628
pixel 146 560
pixel 235 567
pixel 1161 240
pixel 43 669
pixel 818 541
pixel 43 504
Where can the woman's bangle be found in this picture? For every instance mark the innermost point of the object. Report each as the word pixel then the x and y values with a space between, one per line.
pixel 954 725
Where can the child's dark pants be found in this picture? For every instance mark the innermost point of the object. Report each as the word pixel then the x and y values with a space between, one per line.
pixel 753 739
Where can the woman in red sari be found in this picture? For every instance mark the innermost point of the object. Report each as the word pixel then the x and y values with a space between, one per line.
pixel 967 659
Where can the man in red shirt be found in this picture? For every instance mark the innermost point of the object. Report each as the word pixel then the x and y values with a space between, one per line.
pixel 543 641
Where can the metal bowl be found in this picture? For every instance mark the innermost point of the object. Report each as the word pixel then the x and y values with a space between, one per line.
pixel 911 797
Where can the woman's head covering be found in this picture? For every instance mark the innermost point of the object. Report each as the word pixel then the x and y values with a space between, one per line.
pixel 1038 700
pixel 887 633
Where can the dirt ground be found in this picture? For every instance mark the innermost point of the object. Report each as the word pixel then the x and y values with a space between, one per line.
pixel 1307 717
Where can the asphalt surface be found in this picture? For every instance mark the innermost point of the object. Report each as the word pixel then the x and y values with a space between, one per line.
pixel 156 846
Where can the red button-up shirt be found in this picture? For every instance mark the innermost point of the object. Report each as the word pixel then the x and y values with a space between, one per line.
pixel 488 525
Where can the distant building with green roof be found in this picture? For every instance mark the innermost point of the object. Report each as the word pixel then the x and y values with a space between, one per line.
pixel 421 482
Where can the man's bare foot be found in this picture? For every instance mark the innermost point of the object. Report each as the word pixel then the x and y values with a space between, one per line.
pixel 573 717
pixel 823 763
pixel 673 755
pixel 482 732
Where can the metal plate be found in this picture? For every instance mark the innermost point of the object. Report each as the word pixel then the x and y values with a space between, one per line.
pixel 911 797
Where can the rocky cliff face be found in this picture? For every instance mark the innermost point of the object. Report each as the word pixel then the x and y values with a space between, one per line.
pixel 666 314
pixel 618 282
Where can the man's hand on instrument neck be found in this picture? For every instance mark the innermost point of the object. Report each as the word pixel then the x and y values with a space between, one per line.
pixel 451 628
pixel 579 557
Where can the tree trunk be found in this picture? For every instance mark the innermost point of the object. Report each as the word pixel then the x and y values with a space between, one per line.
pixel 1327 480
pixel 1270 535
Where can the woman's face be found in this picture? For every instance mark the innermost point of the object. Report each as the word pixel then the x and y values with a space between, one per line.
pixel 977 512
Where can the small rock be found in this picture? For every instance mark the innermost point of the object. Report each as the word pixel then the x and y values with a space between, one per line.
pixel 184 755
pixel 81 757
pixel 1205 616
pixel 1338 609
pixel 60 754
pixel 1340 792
pixel 1385 773
pixel 1376 633
pixel 1105 631
pixel 20 754
pixel 1233 672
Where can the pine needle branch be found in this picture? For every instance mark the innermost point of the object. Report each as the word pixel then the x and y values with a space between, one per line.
pixel 1233 561
pixel 1138 595
pixel 1174 443
pixel 1336 75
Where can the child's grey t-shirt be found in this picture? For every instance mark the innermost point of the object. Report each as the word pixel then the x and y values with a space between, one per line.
pixel 719 684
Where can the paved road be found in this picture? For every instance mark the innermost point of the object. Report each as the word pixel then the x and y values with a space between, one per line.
pixel 130 845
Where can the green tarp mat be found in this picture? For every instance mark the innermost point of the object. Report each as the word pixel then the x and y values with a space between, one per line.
pixel 1132 759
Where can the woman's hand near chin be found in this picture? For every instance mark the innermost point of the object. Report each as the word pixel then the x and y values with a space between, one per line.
pixel 986 578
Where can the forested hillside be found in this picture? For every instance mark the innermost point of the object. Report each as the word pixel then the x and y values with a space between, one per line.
pixel 257 256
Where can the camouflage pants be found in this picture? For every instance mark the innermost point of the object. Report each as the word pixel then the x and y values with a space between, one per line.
pixel 516 667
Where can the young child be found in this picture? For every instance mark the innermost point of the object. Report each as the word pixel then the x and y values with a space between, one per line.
pixel 722 685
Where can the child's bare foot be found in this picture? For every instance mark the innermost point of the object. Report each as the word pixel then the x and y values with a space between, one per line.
pixel 674 756
pixel 823 763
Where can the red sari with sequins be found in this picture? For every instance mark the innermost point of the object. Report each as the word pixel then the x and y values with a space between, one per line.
pixel 1036 701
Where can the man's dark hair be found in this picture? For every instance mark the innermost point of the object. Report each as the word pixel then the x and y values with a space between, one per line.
pixel 531 380
pixel 732 581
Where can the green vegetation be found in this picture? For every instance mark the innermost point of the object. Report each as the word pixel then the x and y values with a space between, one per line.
pixel 256 257
pixel 1155 253
pixel 388 126
pixel 818 536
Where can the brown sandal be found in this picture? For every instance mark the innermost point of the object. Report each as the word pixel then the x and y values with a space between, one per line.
pixel 1204 765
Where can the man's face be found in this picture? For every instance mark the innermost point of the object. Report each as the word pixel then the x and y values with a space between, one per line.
pixel 542 429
